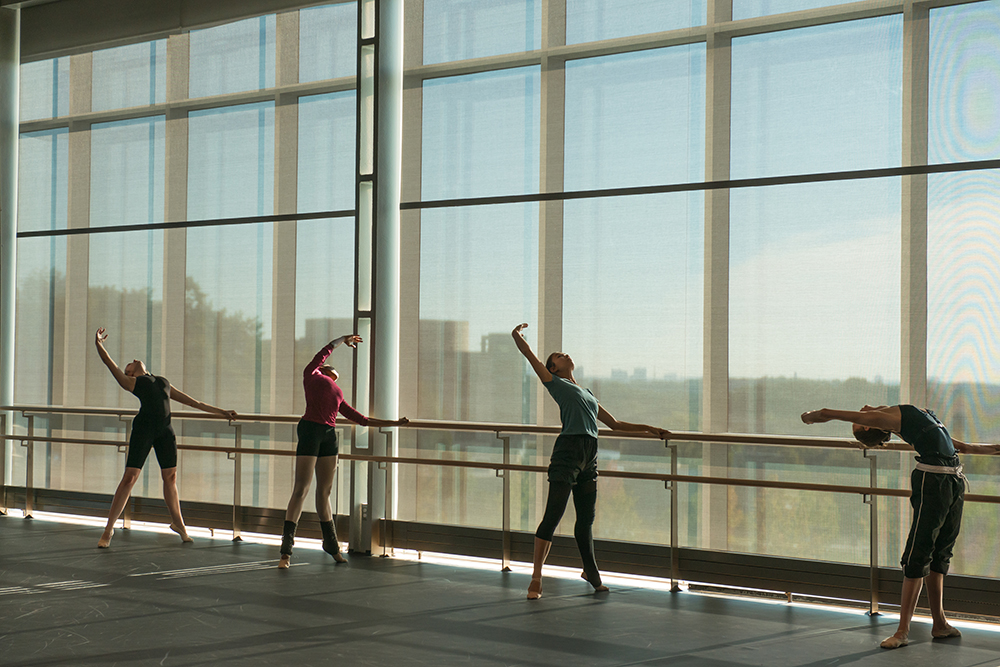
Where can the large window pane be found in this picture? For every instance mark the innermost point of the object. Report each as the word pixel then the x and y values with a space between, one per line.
pixel 462 29
pixel 814 302
pixel 636 119
pixel 818 99
pixel 125 296
pixel 326 169
pixel 228 320
pixel 592 20
pixel 328 41
pixel 632 304
pixel 40 321
pixel 478 279
pixel 324 297
pixel 231 161
pixel 964 109
pixel 130 76
pixel 42 180
pixel 232 58
pixel 127 172
pixel 480 134
pixel 963 290
pixel 44 90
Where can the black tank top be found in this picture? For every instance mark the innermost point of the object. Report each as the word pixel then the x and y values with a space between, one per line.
pixel 925 432
pixel 153 393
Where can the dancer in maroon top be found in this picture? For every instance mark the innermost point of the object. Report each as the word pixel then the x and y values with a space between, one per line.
pixel 318 449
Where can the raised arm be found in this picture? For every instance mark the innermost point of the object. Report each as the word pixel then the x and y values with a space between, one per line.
pixel 540 370
pixel 887 418
pixel 351 340
pixel 966 448
pixel 127 383
pixel 181 397
pixel 617 425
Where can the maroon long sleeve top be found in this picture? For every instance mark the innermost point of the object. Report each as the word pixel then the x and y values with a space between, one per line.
pixel 324 398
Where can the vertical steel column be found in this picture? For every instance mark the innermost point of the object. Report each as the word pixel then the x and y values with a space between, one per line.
pixel 10 57
pixel 674 555
pixel 238 485
pixel 872 501
pixel 360 539
pixel 3 465
pixel 505 474
pixel 714 529
pixel 29 469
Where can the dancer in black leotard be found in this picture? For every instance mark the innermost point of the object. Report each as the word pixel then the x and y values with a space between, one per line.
pixel 573 467
pixel 150 430
pixel 937 497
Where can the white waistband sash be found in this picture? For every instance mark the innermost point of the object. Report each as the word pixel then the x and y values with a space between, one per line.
pixel 945 470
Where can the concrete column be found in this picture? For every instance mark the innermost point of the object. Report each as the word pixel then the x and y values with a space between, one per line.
pixel 715 389
pixel 175 204
pixel 551 179
pixel 409 315
pixel 550 222
pixel 913 267
pixel 286 136
pixel 77 346
pixel 78 349
pixel 386 250
pixel 10 60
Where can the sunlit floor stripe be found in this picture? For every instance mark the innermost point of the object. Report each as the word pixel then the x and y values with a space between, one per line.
pixel 213 569
pixel 19 590
pixel 72 585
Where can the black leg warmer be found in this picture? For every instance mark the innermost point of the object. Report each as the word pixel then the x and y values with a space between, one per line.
pixel 287 538
pixel 330 543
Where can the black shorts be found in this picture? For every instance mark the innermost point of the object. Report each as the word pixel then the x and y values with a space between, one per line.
pixel 156 436
pixel 574 459
pixel 937 502
pixel 316 439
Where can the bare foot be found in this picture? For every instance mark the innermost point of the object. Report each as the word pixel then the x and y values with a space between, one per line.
pixel 600 588
pixel 895 641
pixel 945 632
pixel 284 562
pixel 105 540
pixel 182 531
pixel 535 588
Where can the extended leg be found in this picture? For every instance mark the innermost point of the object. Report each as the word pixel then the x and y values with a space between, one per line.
pixel 326 467
pixel 173 501
pixel 554 508
pixel 935 594
pixel 585 502
pixel 122 494
pixel 304 467
pixel 908 603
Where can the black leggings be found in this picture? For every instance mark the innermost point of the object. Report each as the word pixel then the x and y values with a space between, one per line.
pixel 585 502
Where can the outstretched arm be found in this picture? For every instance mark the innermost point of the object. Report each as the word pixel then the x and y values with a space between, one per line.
pixel 617 425
pixel 887 419
pixel 966 448
pixel 540 370
pixel 181 397
pixel 386 422
pixel 127 383
pixel 351 340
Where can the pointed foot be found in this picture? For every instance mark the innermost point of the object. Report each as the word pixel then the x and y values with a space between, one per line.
pixel 535 588
pixel 895 641
pixel 105 540
pixel 182 531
